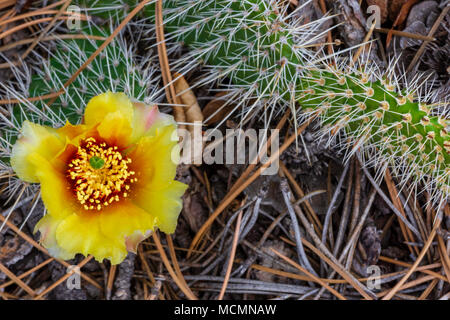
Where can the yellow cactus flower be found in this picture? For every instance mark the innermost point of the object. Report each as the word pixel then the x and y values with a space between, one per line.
pixel 106 183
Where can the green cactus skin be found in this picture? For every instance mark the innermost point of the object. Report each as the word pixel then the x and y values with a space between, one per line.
pixel 262 49
pixel 116 69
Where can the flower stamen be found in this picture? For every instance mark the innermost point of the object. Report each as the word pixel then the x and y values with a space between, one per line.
pixel 100 174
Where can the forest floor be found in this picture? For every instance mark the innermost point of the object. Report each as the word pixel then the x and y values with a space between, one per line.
pixel 313 185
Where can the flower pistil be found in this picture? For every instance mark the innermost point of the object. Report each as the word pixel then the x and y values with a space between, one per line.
pixel 99 174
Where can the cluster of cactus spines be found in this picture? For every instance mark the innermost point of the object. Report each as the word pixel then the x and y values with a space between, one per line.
pixel 264 50
pixel 118 68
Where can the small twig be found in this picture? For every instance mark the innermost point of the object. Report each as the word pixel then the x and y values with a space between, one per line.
pixel 345 211
pixel 332 203
pixel 425 43
pixel 398 286
pixel 232 254
pixel 302 258
pixel 405 34
pixel 110 282
pixel 312 276
pixel 156 289
pixel 388 202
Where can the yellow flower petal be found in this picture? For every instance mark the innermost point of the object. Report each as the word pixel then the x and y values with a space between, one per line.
pixel 72 131
pixel 81 233
pixel 155 158
pixel 147 119
pixel 47 227
pixel 156 191
pixel 55 191
pixel 115 129
pixel 35 139
pixel 133 193
pixel 123 219
pixel 102 105
pixel 113 113
pixel 133 240
pixel 164 204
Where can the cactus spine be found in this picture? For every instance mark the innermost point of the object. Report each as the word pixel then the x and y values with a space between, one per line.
pixel 118 68
pixel 262 49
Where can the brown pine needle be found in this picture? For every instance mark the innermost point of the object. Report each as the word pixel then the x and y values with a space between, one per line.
pixel 51 38
pixel 397 203
pixel 232 254
pixel 109 285
pixel 23 275
pixel 360 49
pixel 309 274
pixel 408 265
pixel 28 24
pixel 164 64
pixel 186 290
pixel 405 34
pixel 425 248
pixel 19 282
pixel 232 195
pixel 173 256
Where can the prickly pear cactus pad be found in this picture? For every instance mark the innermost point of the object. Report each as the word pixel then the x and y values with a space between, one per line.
pixel 224 150
pixel 117 69
pixel 265 51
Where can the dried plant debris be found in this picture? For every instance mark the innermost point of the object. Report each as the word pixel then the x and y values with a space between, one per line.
pixel 12 248
pixel 122 283
pixel 363 229
pixel 434 60
pixel 370 239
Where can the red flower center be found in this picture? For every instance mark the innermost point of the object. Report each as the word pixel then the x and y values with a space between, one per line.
pixel 99 174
